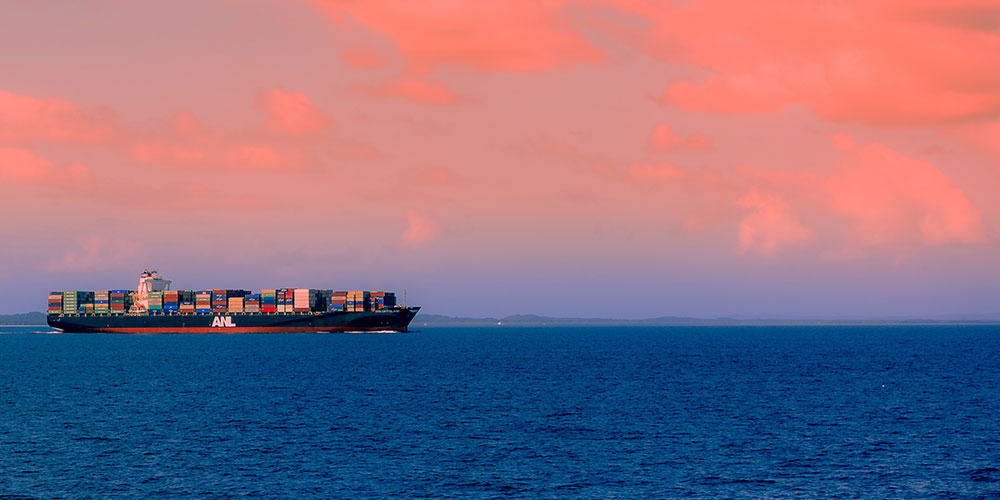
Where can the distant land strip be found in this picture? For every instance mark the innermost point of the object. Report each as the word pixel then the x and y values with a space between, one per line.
pixel 24 319
pixel 535 320
pixel 437 320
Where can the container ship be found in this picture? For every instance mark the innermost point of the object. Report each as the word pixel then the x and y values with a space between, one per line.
pixel 154 308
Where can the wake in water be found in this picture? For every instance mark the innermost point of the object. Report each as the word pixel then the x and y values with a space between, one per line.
pixel 26 329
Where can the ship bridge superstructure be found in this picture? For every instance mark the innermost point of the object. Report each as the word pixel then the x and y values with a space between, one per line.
pixel 149 281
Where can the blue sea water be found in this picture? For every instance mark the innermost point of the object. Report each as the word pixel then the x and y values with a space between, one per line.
pixel 704 412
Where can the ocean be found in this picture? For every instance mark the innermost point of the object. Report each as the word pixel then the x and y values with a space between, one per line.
pixel 581 412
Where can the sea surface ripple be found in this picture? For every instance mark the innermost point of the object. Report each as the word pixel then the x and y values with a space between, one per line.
pixel 584 412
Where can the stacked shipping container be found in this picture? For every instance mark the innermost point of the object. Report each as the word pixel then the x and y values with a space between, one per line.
pixel 323 298
pixel 338 301
pixel 235 304
pixel 155 302
pixel 219 301
pixel 171 301
pixel 284 300
pixel 102 302
pixel 357 300
pixel 117 301
pixel 269 300
pixel 305 300
pixel 203 301
pixel 380 300
pixel 69 303
pixel 251 303
pixel 55 302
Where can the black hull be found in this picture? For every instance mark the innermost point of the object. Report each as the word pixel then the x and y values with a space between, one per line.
pixel 384 320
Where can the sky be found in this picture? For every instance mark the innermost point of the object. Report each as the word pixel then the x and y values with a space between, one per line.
pixel 598 158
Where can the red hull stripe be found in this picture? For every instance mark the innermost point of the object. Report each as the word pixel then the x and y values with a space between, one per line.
pixel 250 329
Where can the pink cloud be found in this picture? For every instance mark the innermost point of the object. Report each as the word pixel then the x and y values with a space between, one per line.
pixel 882 199
pixel 186 142
pixel 184 122
pixel 96 253
pixel 291 112
pixel 416 90
pixel 162 152
pixel 355 150
pixel 769 224
pixel 252 157
pixel 743 94
pixel 181 141
pixel 420 230
pixel 432 175
pixel 891 198
pixel 663 138
pixel 364 58
pixel 504 36
pixel 230 152
pixel 985 137
pixel 26 119
pixel 20 166
pixel 891 62
pixel 659 172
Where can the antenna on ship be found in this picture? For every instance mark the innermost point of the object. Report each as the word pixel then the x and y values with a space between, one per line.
pixel 404 298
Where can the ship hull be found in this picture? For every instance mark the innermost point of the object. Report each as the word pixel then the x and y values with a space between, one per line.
pixel 385 320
